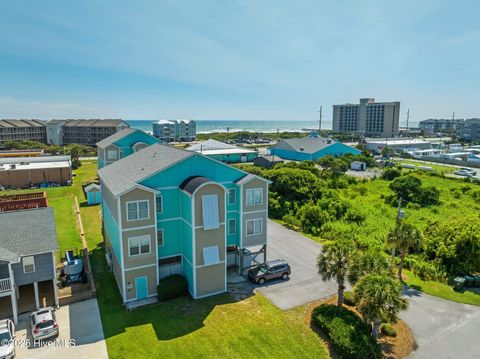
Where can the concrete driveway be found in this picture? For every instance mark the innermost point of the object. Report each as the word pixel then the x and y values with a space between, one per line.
pixel 81 335
pixel 443 329
pixel 304 285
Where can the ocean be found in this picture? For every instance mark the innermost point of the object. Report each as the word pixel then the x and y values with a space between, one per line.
pixel 208 126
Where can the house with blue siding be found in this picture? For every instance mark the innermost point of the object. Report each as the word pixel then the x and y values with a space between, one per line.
pixel 170 211
pixel 310 148
pixel 122 144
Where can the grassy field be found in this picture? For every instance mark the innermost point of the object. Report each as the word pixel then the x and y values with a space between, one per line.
pixel 216 327
pixel 441 290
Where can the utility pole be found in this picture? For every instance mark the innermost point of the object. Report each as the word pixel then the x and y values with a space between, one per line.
pixel 400 215
pixel 320 122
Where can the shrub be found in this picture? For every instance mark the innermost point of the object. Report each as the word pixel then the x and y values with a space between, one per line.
pixel 171 287
pixel 388 330
pixel 312 218
pixel 349 298
pixel 465 188
pixel 349 335
pixel 429 196
pixel 361 190
pixel 355 216
pixel 475 194
pixel 291 221
pixel 391 173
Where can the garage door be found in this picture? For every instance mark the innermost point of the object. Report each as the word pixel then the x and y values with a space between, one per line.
pixel 169 266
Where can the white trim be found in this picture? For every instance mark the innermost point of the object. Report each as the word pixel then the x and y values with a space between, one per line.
pixel 134 299
pixel 209 265
pixel 140 267
pixel 140 245
pixel 136 185
pixel 266 220
pixel 138 210
pixel 209 294
pixel 261 227
pixel 173 255
pixel 166 188
pixel 163 238
pixel 252 190
pixel 206 184
pixel 226 241
pixel 138 143
pixel 253 212
pixel 136 228
pixel 55 288
pixel 241 217
pixel 122 260
pixel 194 254
pixel 157 273
pixel 232 210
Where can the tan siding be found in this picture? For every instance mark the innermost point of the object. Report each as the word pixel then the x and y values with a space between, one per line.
pixel 211 279
pixel 256 239
pixel 213 237
pixel 110 201
pixel 135 195
pixel 141 259
pixel 115 263
pixel 150 272
pixel 255 183
pixel 206 190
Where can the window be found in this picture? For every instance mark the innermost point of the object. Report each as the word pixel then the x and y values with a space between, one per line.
pixel 231 226
pixel 211 255
pixel 28 264
pixel 138 245
pixel 210 212
pixel 160 236
pixel 137 210
pixel 254 196
pixel 159 206
pixel 231 196
pixel 111 155
pixel 254 226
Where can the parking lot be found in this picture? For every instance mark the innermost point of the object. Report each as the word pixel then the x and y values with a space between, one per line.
pixel 81 334
pixel 304 285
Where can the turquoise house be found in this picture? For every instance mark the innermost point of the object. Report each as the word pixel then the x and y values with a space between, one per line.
pixel 93 194
pixel 122 144
pixel 224 152
pixel 310 148
pixel 171 211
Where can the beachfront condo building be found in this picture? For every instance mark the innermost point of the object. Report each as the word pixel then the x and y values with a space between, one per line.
pixel 175 130
pixel 22 130
pixel 368 117
pixel 170 211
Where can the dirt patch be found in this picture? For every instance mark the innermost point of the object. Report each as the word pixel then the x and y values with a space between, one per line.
pixel 393 348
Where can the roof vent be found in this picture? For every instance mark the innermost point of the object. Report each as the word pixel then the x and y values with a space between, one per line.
pixel 302 149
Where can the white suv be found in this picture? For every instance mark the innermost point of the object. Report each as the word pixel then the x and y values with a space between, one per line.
pixel 7 335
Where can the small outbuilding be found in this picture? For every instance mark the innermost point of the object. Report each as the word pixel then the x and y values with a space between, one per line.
pixel 358 166
pixel 224 152
pixel 267 161
pixel 310 148
pixel 93 194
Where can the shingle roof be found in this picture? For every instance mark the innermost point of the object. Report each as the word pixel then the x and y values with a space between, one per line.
pixel 210 145
pixel 304 144
pixel 122 175
pixel 27 232
pixel 115 137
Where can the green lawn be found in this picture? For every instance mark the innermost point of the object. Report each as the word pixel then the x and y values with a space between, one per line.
pixel 441 290
pixel 215 327
pixel 67 230
pixel 436 167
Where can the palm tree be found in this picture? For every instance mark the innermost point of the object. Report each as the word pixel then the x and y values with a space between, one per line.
pixel 404 236
pixel 372 261
pixel 334 262
pixel 379 299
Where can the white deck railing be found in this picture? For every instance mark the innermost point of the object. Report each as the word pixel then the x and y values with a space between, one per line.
pixel 5 285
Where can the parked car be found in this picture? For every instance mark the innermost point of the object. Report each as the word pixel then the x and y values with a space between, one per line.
pixel 465 172
pixel 7 336
pixel 44 324
pixel 269 270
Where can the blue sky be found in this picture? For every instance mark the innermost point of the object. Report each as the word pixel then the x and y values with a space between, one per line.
pixel 254 59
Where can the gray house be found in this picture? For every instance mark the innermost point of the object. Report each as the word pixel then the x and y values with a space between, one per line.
pixel 27 262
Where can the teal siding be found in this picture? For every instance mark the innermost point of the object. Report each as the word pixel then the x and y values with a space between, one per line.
pixel 111 229
pixel 233 239
pixel 236 205
pixel 193 166
pixel 186 207
pixel 233 158
pixel 172 238
pixel 336 149
pixel 187 241
pixel 94 198
pixel 138 136
pixel 188 274
pixel 101 163
pixel 171 204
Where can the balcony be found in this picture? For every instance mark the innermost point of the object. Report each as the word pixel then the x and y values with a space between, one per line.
pixel 5 285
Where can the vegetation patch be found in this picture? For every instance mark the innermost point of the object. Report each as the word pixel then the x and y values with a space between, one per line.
pixel 349 336
pixel 171 287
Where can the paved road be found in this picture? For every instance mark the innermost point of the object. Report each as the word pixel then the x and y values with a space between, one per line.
pixel 79 322
pixel 443 329
pixel 304 285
